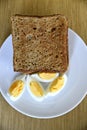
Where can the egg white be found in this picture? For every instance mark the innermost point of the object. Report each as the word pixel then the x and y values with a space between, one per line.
pixel 29 79
pixel 23 78
pixel 38 78
pixel 55 93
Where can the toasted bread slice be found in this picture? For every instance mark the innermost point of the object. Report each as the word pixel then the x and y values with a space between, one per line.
pixel 40 44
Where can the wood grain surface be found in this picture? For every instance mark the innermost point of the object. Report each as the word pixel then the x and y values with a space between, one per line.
pixel 76 12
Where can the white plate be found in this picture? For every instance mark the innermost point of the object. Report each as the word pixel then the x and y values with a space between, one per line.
pixel 72 94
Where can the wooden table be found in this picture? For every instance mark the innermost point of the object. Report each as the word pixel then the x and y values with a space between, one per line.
pixel 76 12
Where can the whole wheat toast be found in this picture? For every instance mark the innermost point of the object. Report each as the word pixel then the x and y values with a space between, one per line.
pixel 40 44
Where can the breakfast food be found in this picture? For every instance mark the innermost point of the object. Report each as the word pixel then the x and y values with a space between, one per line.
pixel 40 44
pixel 40 50
pixel 57 85
pixel 45 77
pixel 17 88
pixel 35 89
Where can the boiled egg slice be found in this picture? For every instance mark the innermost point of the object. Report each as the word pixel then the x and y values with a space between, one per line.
pixel 57 85
pixel 17 87
pixel 45 77
pixel 35 89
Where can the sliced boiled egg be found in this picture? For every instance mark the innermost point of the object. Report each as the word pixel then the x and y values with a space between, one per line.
pixel 57 85
pixel 35 89
pixel 45 77
pixel 17 87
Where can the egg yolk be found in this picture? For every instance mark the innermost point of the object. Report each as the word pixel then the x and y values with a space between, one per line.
pixel 36 89
pixel 16 88
pixel 56 84
pixel 47 76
